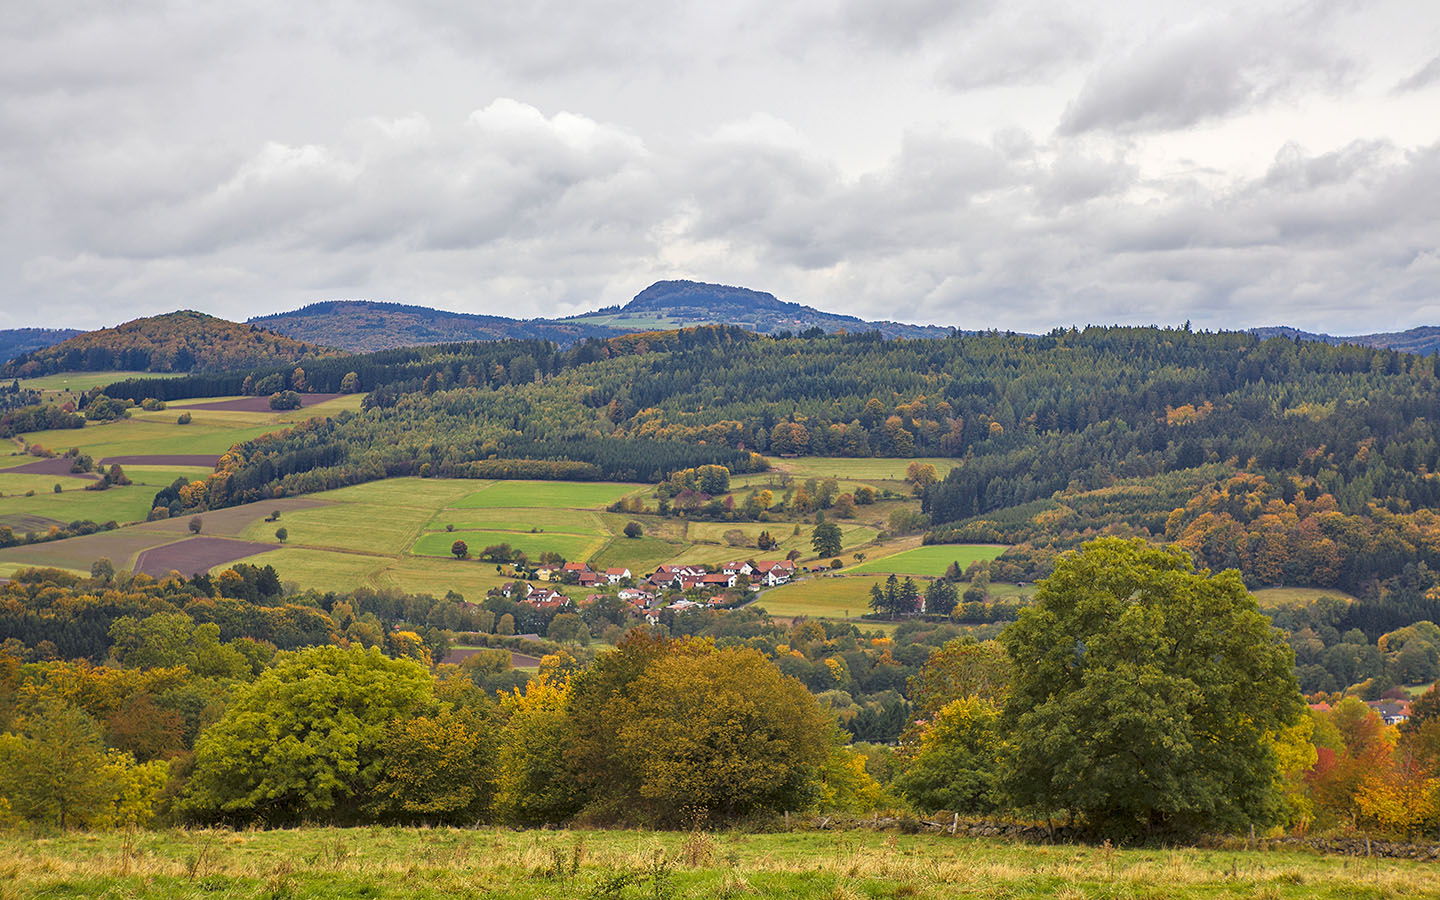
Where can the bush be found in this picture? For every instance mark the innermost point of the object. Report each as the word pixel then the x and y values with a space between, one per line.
pixel 196 524
pixel 150 404
pixel 183 419
pixel 633 529
pixel 284 400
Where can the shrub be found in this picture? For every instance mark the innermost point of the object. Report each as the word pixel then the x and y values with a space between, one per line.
pixel 284 400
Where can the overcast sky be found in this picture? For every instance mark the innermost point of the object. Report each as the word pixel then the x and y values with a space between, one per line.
pixel 975 163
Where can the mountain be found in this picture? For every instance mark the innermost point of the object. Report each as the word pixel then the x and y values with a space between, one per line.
pixel 1424 339
pixel 680 304
pixel 366 325
pixel 18 341
pixel 183 341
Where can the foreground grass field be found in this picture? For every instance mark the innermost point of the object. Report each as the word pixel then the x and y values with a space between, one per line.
pixel 308 864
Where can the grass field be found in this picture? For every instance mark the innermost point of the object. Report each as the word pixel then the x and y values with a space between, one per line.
pixel 570 546
pixel 821 598
pixel 129 503
pixel 209 432
pixel 1271 598
pixel 553 494
pixel 566 521
pixel 866 469
pixel 83 381
pixel 932 560
pixel 382 863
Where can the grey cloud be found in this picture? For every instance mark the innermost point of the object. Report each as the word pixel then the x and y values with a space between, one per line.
pixel 1029 49
pixel 907 23
pixel 1427 75
pixel 1202 72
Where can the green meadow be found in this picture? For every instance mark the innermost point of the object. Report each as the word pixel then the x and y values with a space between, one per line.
pixel 552 494
pixel 931 561
pixel 570 546
pixel 127 503
pixel 863 469
pixel 433 863
pixel 843 597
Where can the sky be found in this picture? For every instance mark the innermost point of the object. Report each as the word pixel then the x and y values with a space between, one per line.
pixel 972 163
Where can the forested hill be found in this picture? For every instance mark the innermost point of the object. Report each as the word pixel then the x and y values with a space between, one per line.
pixel 183 341
pixel 18 341
pixel 681 304
pixel 1298 462
pixel 1424 340
pixel 364 325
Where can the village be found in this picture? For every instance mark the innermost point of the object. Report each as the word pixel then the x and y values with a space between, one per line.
pixel 673 587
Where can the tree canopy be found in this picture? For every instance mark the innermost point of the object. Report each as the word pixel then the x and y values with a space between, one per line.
pixel 1145 695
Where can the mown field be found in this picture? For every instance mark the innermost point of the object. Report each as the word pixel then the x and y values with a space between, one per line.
pixel 315 863
pixel 144 434
pixel 839 597
pixel 930 561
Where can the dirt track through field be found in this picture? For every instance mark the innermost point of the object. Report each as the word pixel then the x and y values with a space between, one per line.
pixel 258 404
pixel 194 555
pixel 60 465
pixel 166 459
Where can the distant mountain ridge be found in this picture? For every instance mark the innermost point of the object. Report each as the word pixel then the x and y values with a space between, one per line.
pixel 182 341
pixel 19 341
pixel 367 325
pixel 1423 339
pixel 677 304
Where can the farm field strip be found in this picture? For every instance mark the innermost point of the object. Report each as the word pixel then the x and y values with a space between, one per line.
pixel 863 469
pixel 563 521
pixel 931 560
pixel 553 494
pixel 821 597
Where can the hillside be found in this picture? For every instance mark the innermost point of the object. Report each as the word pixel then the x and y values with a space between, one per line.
pixel 684 304
pixel 19 341
pixel 364 325
pixel 183 341
pixel 1423 339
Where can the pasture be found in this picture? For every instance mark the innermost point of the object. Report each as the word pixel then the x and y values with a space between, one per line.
pixel 381 863
pixel 1275 597
pixel 548 494
pixel 930 561
pixel 125 503
pixel 570 546
pixel 822 597
pixel 80 382
pixel 866 469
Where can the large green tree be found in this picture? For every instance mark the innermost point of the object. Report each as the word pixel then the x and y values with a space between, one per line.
pixel 306 740
pixel 53 770
pixel 720 734
pixel 827 540
pixel 1145 694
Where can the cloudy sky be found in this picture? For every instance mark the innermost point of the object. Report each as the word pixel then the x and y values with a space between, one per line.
pixel 964 162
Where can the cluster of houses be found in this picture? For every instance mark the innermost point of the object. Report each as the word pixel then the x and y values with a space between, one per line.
pixel 646 596
pixel 1393 712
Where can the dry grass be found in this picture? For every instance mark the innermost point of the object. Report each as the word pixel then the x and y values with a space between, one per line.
pixel 441 862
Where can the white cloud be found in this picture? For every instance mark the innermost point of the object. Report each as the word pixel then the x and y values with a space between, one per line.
pixel 973 163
